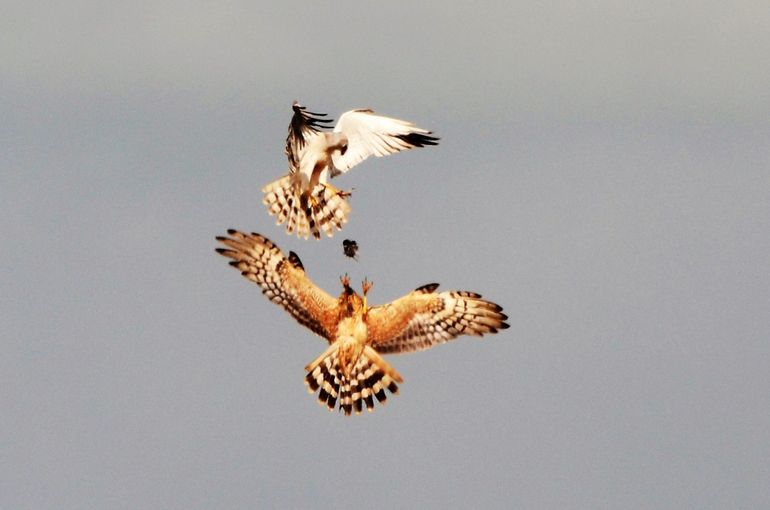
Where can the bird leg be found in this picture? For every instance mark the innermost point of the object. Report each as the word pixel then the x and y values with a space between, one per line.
pixel 343 194
pixel 365 286
pixel 345 280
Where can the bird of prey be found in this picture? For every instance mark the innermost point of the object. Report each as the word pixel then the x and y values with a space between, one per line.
pixel 303 198
pixel 351 372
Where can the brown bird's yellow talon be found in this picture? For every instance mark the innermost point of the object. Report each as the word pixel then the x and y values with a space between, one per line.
pixel 365 286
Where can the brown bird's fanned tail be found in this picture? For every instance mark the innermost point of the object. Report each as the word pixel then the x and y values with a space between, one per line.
pixel 368 380
pixel 323 210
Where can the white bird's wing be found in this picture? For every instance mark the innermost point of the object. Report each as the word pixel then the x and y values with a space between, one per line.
pixel 303 125
pixel 369 134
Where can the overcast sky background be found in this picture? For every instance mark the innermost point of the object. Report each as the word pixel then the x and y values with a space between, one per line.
pixel 602 174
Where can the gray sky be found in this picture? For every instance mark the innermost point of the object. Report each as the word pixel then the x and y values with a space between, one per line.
pixel 602 174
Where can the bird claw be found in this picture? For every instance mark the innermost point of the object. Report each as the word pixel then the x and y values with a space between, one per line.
pixel 339 192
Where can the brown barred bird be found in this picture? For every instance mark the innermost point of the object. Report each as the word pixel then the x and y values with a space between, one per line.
pixel 351 372
pixel 303 198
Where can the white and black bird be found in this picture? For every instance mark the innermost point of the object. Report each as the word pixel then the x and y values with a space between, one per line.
pixel 303 198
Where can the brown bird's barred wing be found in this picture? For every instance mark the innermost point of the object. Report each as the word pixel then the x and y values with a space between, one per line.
pixel 369 379
pixel 424 318
pixel 303 124
pixel 283 280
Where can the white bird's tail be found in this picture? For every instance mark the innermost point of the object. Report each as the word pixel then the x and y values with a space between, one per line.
pixel 306 213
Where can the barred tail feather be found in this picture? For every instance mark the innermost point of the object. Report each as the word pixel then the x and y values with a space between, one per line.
pixel 368 381
pixel 332 209
pixel 279 198
pixel 323 210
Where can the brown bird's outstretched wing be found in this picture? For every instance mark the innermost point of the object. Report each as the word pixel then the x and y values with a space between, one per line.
pixel 424 318
pixel 303 124
pixel 283 280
